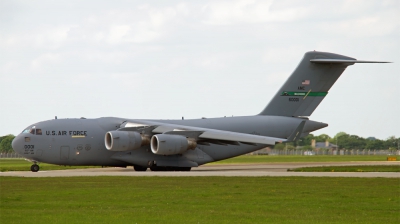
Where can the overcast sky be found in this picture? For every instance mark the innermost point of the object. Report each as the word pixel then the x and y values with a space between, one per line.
pixel 168 59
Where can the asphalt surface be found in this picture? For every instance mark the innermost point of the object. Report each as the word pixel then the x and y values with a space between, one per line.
pixel 248 170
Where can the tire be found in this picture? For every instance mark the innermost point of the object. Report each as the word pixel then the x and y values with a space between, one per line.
pixel 35 168
pixel 183 169
pixel 139 168
pixel 154 168
pixel 169 168
pixel 186 168
pixel 159 168
pixel 179 168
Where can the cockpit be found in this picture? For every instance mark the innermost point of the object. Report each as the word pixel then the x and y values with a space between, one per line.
pixel 33 130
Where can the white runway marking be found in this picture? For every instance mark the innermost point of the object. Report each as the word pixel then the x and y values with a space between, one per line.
pixel 243 170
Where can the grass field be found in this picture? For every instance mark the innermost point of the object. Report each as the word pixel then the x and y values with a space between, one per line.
pixel 321 158
pixel 392 168
pixel 199 200
pixel 23 165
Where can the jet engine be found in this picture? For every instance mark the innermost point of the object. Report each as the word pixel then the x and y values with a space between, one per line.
pixel 165 144
pixel 124 140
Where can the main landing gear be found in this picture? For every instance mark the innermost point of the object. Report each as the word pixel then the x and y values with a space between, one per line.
pixel 153 167
pixel 35 168
pixel 139 168
pixel 169 168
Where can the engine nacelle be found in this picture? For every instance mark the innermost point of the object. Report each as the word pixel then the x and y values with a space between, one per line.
pixel 164 144
pixel 124 140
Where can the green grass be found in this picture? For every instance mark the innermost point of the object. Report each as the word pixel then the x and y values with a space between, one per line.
pixel 23 165
pixel 273 159
pixel 199 200
pixel 392 168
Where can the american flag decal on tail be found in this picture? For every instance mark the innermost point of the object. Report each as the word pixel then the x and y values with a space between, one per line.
pixel 305 82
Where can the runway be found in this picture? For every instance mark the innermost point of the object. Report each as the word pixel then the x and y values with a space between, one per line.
pixel 243 170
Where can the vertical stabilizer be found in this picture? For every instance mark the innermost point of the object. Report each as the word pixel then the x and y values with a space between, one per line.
pixel 308 85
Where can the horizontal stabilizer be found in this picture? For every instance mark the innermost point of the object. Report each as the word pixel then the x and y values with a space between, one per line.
pixel 338 61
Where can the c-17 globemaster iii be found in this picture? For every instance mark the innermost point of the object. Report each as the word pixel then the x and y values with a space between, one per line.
pixel 179 145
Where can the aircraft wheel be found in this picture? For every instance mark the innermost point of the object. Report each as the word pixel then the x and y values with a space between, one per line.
pixel 139 168
pixel 35 168
pixel 178 168
pixel 169 168
pixel 159 168
pixel 183 168
pixel 186 168
pixel 154 168
pixel 163 168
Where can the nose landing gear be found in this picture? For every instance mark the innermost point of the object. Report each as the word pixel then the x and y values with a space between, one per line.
pixel 35 168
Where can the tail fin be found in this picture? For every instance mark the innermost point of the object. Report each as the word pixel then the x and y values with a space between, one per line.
pixel 309 84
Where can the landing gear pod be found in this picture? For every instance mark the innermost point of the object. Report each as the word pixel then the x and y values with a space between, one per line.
pixel 164 144
pixel 124 140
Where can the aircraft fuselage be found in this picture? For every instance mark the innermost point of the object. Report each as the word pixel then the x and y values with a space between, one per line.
pixel 81 141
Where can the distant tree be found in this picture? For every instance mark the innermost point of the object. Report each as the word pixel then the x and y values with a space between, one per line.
pixel 322 138
pixel 279 146
pixel 374 144
pixel 347 141
pixel 307 148
pixel 391 143
pixel 289 146
pixel 351 142
pixel 5 144
pixel 306 140
pixel 340 134
pixel 337 139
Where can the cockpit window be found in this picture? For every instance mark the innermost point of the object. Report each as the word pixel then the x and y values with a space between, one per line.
pixel 33 130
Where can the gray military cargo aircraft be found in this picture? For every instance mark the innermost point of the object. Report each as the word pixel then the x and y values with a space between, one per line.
pixel 178 145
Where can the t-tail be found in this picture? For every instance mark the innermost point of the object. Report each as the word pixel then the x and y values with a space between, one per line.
pixel 309 84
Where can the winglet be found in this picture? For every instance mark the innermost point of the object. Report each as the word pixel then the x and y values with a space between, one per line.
pixel 297 133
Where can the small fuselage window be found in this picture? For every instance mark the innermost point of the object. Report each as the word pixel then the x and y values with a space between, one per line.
pixel 38 131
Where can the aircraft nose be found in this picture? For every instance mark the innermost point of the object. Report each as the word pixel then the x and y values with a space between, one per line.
pixel 17 144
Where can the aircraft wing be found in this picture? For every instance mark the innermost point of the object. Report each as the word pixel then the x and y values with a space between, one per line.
pixel 206 135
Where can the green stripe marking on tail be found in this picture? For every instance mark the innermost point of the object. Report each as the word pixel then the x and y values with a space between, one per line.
pixel 304 94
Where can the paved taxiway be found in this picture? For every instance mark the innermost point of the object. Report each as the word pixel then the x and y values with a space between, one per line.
pixel 249 170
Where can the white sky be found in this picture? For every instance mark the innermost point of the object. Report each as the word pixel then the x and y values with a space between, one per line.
pixel 168 59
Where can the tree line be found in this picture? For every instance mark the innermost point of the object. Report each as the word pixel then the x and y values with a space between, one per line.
pixel 5 143
pixel 342 139
pixel 346 141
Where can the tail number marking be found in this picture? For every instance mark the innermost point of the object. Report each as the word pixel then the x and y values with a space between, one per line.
pixel 293 99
